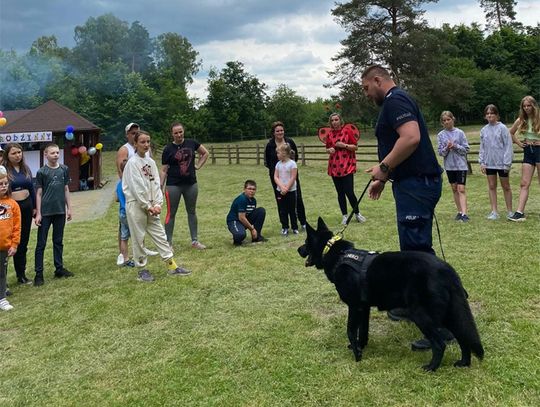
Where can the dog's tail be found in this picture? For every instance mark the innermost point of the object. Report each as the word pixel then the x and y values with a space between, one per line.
pixel 461 321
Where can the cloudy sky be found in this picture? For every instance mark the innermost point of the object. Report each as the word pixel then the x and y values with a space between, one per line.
pixel 279 41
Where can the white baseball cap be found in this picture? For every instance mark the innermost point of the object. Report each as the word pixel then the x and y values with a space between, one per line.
pixel 130 125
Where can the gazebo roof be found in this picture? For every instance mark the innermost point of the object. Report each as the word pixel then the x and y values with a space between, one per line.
pixel 50 116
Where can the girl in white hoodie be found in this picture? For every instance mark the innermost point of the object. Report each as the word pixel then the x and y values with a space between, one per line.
pixel 140 183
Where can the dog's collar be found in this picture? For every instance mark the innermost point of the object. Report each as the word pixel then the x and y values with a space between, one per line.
pixel 330 243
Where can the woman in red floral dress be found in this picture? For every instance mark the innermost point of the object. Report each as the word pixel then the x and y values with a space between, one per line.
pixel 341 148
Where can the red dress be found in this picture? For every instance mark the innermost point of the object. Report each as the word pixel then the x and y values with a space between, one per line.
pixel 343 161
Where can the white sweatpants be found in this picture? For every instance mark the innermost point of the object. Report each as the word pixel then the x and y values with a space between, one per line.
pixel 141 222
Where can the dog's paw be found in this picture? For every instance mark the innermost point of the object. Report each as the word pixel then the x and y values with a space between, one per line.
pixel 429 368
pixel 462 363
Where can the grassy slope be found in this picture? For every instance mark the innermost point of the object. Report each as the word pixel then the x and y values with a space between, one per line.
pixel 253 327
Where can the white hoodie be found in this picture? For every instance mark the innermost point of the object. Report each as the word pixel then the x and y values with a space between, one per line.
pixel 140 182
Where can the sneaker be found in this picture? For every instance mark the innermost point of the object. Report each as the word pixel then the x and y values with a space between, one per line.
pixel 509 214
pixel 517 217
pixel 425 344
pixel 64 273
pixel 465 218
pixel 150 252
pixel 129 263
pixel 398 314
pixel 24 280
pixel 260 239
pixel 179 271
pixel 295 232
pixel 8 292
pixel 359 218
pixel 303 228
pixel 38 280
pixel 5 305
pixel 144 275
pixel 284 232
pixel 120 260
pixel 458 216
pixel 344 219
pixel 493 216
pixel 197 245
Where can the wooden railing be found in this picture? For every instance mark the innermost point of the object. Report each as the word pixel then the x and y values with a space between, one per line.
pixel 236 154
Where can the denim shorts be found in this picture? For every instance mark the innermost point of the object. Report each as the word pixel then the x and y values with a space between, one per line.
pixel 123 227
pixel 531 155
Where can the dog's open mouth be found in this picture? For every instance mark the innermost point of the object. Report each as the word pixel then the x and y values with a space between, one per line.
pixel 303 252
pixel 308 262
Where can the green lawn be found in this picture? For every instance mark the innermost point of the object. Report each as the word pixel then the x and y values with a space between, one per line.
pixel 253 327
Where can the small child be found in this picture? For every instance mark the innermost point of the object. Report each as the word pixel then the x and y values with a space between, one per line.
pixel 123 227
pixel 10 233
pixel 53 207
pixel 495 157
pixel 141 186
pixel 285 179
pixel 453 146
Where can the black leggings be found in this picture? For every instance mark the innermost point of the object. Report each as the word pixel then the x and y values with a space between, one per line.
pixel 19 259
pixel 345 189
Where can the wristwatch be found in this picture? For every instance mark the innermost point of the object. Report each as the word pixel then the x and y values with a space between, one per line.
pixel 384 168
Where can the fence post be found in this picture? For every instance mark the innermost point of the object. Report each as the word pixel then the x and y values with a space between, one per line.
pixel 258 157
pixel 212 155
pixel 469 168
pixel 237 154
pixel 303 150
pixel 229 153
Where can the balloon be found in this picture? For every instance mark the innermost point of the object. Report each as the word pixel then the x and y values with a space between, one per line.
pixel 82 149
pixel 74 151
pixel 3 121
pixel 69 136
pixel 92 151
pixel 69 129
pixel 1 114
pixel 99 146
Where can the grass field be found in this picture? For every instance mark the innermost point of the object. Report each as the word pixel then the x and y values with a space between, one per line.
pixel 253 327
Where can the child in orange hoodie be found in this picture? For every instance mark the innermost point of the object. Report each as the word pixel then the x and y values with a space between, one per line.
pixel 10 233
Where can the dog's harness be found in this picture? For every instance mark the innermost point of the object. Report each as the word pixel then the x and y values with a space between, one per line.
pixel 359 261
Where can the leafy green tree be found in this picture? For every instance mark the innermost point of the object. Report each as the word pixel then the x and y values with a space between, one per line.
pixel 288 107
pixel 176 58
pixel 235 104
pixel 139 48
pixel 19 89
pixel 381 31
pixel 48 46
pixel 499 12
pixel 100 40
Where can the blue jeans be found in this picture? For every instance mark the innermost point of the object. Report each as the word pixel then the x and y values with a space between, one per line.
pixel 58 222
pixel 237 229
pixel 416 198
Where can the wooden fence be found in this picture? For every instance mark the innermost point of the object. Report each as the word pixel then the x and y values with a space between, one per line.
pixel 254 154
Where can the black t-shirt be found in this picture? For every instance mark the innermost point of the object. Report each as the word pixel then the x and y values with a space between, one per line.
pixel 181 161
pixel 399 108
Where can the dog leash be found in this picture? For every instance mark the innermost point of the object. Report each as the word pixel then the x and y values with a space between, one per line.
pixel 354 209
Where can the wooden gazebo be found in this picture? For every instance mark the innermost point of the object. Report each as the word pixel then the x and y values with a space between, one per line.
pixel 34 129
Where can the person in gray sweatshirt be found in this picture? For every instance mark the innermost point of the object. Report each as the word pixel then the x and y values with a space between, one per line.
pixel 495 157
pixel 453 146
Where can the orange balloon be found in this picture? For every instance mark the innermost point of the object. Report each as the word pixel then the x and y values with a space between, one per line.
pixel 3 121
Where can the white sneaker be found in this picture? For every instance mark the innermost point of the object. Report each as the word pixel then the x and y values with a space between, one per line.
pixel 344 219
pixel 360 218
pixel 5 305
pixel 198 245
pixel 120 260
pixel 150 252
pixel 509 214
pixel 493 216
pixel 284 232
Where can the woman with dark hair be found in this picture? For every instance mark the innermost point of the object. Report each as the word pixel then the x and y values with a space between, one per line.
pixel 270 161
pixel 22 187
pixel 178 173
pixel 341 148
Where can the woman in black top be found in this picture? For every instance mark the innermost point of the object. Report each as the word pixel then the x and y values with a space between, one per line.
pixel 270 161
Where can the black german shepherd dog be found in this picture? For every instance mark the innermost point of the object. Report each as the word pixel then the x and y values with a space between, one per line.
pixel 428 287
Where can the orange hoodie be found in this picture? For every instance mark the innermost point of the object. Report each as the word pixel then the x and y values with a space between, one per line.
pixel 10 224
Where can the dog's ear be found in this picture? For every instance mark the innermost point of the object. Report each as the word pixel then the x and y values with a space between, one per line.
pixel 321 226
pixel 309 229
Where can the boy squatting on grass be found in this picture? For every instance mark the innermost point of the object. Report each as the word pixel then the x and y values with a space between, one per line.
pixel 53 207
pixel 10 233
pixel 141 186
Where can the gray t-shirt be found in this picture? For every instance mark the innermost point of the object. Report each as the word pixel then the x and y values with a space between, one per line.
pixel 52 181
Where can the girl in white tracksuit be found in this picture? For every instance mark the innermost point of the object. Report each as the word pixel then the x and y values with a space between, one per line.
pixel 141 186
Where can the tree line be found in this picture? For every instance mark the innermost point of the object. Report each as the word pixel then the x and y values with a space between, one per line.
pixel 116 73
